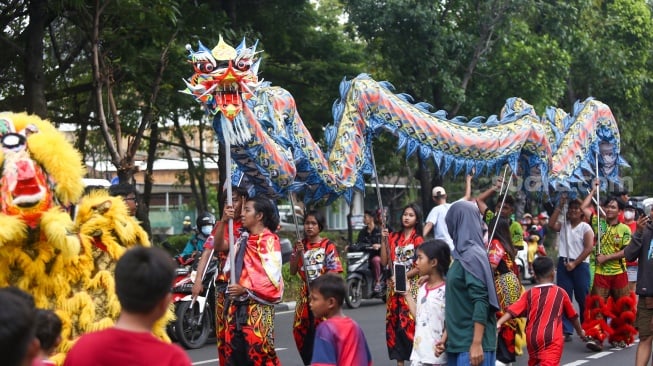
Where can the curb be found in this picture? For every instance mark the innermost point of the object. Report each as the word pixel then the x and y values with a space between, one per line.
pixel 285 306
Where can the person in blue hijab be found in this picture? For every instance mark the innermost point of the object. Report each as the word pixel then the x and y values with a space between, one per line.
pixel 470 299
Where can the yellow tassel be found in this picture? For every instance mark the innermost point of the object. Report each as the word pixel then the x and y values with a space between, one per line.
pixel 520 336
pixel 13 231
pixel 58 229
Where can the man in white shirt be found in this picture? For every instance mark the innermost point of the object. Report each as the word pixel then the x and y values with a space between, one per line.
pixel 435 219
pixel 576 242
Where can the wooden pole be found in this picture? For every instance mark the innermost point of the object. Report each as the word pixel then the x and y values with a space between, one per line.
pixel 230 201
pixel 301 252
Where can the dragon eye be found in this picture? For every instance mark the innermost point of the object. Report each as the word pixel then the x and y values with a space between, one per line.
pixel 13 141
pixel 204 67
pixel 242 65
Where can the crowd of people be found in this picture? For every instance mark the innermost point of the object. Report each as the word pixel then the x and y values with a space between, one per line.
pixel 463 301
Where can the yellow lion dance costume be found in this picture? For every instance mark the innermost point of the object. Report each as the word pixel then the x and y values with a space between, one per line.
pixel 67 266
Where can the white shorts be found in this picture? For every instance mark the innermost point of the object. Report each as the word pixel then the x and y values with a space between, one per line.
pixel 632 273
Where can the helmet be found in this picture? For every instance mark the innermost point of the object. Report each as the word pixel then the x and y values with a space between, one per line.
pixel 205 219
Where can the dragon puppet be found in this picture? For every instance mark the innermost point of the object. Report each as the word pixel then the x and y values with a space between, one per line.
pixel 273 149
pixel 66 265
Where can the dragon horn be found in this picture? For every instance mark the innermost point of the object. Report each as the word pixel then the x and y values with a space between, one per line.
pixel 255 66
pixel 241 46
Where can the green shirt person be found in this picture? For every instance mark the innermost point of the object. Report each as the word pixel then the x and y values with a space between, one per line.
pixel 505 208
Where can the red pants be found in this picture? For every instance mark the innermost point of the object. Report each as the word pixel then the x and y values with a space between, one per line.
pixel 549 356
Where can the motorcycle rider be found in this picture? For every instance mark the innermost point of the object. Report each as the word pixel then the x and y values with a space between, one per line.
pixel 205 223
pixel 369 239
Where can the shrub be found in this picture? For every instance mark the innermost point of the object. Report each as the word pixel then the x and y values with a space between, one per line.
pixel 177 243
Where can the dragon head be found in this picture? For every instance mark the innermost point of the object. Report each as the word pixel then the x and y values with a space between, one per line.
pixel 223 77
pixel 39 168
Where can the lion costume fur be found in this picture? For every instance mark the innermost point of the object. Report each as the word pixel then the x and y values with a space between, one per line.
pixel 66 265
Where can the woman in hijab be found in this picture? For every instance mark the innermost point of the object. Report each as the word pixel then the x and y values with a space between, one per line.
pixel 470 299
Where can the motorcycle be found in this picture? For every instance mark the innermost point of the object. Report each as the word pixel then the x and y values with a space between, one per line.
pixel 360 279
pixel 195 320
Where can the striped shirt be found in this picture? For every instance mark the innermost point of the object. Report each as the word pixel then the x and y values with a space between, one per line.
pixel 543 306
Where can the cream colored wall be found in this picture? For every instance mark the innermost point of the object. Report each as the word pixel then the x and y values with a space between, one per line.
pixel 169 177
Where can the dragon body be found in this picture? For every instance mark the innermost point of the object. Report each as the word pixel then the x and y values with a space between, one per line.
pixel 274 151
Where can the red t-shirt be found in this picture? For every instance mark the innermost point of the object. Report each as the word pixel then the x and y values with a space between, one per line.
pixel 114 346
pixel 543 306
pixel 340 341
pixel 402 248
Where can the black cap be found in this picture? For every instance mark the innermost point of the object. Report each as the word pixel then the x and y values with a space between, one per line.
pixel 620 190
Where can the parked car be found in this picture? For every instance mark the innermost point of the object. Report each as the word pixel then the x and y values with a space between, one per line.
pixel 286 249
pixel 288 224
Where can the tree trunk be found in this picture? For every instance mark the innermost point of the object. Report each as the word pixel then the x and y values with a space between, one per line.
pixel 193 177
pixel 34 76
pixel 151 157
pixel 223 179
pixel 200 174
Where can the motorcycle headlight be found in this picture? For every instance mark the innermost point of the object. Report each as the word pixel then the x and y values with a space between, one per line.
pixel 182 271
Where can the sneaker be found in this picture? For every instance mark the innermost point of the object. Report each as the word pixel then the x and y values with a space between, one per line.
pixel 377 287
pixel 567 337
pixel 593 345
pixel 620 344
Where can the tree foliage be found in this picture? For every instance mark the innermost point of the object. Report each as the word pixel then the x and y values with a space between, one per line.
pixel 468 57
pixel 463 56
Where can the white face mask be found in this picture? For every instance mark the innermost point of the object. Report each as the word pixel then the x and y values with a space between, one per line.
pixel 206 230
pixel 629 215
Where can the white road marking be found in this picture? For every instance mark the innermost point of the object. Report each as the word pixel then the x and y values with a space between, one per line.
pixel 576 363
pixel 599 355
pixel 285 312
pixel 215 360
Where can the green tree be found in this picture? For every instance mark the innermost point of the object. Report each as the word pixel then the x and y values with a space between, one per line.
pixel 431 50
pixel 614 65
pixel 467 57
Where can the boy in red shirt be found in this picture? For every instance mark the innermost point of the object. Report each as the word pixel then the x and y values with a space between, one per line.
pixel 339 340
pixel 543 306
pixel 143 279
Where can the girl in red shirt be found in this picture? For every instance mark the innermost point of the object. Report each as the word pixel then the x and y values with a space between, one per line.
pixel 400 248
pixel 320 256
pixel 249 336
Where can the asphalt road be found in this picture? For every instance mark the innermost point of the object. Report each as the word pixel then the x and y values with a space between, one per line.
pixel 371 317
